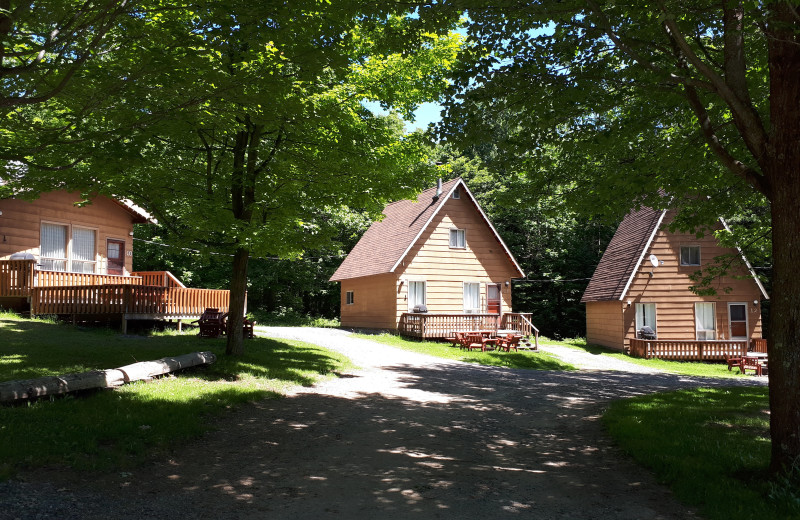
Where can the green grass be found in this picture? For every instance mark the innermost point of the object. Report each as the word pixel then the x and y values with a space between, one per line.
pixel 110 429
pixel 687 368
pixel 710 446
pixel 521 359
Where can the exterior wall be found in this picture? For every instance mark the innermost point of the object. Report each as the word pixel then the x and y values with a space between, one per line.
pixel 20 224
pixel 605 325
pixel 445 269
pixel 374 302
pixel 668 288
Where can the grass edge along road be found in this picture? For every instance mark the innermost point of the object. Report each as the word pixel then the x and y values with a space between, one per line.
pixel 711 446
pixel 522 359
pixel 118 428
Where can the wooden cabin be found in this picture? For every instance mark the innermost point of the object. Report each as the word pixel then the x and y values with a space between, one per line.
pixel 431 266
pixel 60 256
pixel 639 296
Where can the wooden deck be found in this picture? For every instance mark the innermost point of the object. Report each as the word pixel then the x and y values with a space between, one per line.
pixel 143 295
pixel 439 326
pixel 691 350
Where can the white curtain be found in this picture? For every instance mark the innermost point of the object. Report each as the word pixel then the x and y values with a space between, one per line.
pixel 416 294
pixel 83 250
pixel 458 238
pixel 646 315
pixel 705 320
pixel 54 247
pixel 472 297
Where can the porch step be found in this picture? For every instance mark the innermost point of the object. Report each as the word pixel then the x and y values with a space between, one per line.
pixel 525 344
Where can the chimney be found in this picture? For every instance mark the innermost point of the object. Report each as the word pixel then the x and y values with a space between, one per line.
pixel 438 190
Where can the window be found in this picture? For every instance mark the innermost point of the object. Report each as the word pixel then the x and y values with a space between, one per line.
pixel 458 238
pixel 457 193
pixel 645 316
pixel 472 297
pixel 83 250
pixel 690 255
pixel 349 297
pixel 53 253
pixel 416 295
pixel 705 321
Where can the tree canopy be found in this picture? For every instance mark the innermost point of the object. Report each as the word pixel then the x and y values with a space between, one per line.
pixel 698 101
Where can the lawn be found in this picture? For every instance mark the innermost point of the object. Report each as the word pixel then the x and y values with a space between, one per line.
pixel 687 368
pixel 522 359
pixel 710 446
pixel 117 428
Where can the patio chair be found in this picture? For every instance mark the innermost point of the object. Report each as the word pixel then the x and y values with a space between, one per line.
pixel 211 323
pixel 474 341
pixel 508 342
pixel 754 364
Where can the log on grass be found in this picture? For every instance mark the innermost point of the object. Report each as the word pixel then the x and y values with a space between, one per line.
pixel 56 385
pixel 150 369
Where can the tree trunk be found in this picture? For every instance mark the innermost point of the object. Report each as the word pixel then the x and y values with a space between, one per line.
pixel 783 174
pixel 235 345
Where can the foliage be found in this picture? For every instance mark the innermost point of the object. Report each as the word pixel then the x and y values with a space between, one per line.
pixel 691 106
pixel 521 359
pixel 711 446
pixel 245 133
pixel 117 428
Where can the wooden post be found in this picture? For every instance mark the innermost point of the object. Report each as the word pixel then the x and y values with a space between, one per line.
pixel 180 325
pixel 124 325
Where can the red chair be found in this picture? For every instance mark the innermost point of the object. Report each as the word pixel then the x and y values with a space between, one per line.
pixel 509 342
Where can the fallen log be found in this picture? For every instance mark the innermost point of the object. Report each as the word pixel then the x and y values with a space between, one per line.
pixel 56 385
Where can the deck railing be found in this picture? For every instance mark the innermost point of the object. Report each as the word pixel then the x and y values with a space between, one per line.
pixel 16 277
pixel 435 325
pixel 65 279
pixel 129 300
pixel 521 321
pixel 159 278
pixel 687 350
pixel 759 345
pixel 424 325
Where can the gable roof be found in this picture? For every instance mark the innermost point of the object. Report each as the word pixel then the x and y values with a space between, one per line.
pixel 624 254
pixel 387 242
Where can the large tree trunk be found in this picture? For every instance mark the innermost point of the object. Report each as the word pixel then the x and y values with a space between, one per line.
pixel 235 345
pixel 783 173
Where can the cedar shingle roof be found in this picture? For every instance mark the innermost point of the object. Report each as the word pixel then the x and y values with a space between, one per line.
pixel 622 256
pixel 387 242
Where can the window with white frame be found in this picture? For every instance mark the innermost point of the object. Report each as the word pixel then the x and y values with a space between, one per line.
pixel 645 316
pixel 690 255
pixel 349 297
pixel 472 297
pixel 457 193
pixel 458 238
pixel 705 321
pixel 82 256
pixel 416 295
pixel 53 250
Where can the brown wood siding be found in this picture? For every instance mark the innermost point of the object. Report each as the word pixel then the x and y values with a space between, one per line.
pixel 604 324
pixel 445 269
pixel 374 302
pixel 20 223
pixel 669 289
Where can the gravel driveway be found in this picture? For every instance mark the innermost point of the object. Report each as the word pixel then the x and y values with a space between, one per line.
pixel 404 436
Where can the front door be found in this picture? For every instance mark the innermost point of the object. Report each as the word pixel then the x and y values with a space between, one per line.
pixel 493 298
pixel 116 257
pixel 737 313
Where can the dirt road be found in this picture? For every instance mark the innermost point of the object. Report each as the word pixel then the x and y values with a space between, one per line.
pixel 405 436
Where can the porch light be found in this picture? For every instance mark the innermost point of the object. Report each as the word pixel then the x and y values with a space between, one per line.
pixel 755 303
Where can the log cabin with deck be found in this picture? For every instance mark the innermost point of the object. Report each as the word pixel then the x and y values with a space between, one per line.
pixel 432 266
pixel 61 256
pixel 639 299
